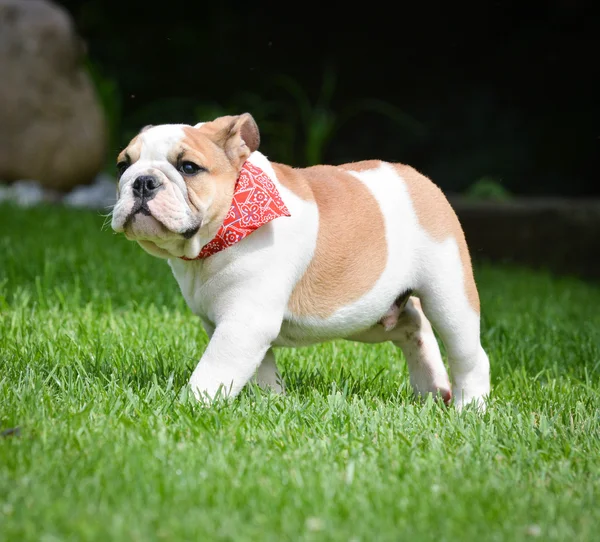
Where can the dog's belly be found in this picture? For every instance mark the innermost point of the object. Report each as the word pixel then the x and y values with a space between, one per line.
pixel 295 332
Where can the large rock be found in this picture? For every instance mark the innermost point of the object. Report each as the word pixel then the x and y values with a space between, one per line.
pixel 52 128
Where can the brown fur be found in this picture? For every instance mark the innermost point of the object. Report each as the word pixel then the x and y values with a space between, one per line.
pixel 132 151
pixel 237 135
pixel 365 165
pixel 434 213
pixel 346 264
pixel 217 184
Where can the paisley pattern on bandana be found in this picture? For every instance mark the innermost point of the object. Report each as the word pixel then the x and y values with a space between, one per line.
pixel 256 201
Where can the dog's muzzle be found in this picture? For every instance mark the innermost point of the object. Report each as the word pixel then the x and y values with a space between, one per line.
pixel 143 189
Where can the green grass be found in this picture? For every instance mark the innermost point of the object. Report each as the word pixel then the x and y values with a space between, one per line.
pixel 96 346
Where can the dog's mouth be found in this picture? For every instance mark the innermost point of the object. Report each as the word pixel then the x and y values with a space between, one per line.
pixel 136 222
pixel 189 233
pixel 140 207
pixel 141 222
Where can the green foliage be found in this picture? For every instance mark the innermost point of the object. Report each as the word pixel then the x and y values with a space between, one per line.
pixel 297 129
pixel 319 122
pixel 96 346
pixel 108 92
pixel 487 189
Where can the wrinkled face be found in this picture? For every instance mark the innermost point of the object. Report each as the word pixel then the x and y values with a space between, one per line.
pixel 176 183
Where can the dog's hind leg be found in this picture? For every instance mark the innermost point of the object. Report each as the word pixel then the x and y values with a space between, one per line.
pixel 414 335
pixel 267 375
pixel 450 300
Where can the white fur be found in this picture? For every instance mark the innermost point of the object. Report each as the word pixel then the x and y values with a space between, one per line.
pixel 242 293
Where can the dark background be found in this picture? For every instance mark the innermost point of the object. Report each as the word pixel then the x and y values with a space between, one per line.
pixel 507 91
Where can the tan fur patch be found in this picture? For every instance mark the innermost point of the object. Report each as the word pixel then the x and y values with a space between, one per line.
pixel 132 151
pixel 216 185
pixel 365 165
pixel 438 219
pixel 351 251
pixel 294 180
pixel 237 135
pixel 215 128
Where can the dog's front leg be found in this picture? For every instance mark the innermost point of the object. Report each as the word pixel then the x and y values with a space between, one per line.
pixel 236 349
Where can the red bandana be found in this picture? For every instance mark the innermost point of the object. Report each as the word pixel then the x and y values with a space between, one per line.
pixel 256 201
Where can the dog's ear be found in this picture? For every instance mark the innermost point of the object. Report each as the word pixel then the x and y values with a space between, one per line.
pixel 147 127
pixel 238 135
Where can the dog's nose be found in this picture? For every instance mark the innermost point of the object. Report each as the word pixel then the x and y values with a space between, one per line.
pixel 145 186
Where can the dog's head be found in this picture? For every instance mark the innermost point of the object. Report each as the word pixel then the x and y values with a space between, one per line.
pixel 176 183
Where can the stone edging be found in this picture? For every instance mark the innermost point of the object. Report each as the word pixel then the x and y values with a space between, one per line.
pixel 561 235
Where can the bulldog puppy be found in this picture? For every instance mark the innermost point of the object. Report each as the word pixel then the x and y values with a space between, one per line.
pixel 268 255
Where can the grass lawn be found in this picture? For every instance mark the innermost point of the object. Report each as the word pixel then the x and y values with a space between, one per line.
pixel 96 346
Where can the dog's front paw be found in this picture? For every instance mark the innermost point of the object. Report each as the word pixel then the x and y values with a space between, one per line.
pixel 207 394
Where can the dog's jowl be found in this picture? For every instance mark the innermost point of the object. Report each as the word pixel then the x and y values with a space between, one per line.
pixel 268 255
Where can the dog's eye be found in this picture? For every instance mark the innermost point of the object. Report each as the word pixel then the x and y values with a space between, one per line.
pixel 189 168
pixel 121 167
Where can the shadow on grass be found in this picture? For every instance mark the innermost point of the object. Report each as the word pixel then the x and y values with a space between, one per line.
pixel 143 370
pixel 382 384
